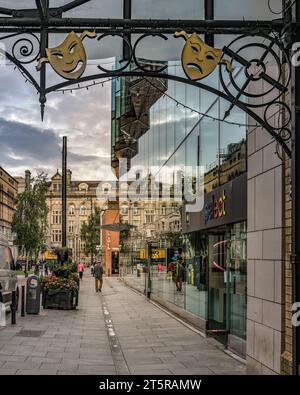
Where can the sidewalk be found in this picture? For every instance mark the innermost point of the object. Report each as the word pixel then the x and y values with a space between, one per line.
pixel 113 332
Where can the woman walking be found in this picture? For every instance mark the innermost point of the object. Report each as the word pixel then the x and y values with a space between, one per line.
pixel 80 269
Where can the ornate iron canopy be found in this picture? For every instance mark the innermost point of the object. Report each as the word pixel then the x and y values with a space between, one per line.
pixel 28 31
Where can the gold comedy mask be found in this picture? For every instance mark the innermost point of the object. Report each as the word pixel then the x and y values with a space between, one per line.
pixel 68 59
pixel 199 59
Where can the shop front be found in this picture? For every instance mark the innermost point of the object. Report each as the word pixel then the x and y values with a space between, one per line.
pixel 215 251
pixel 211 293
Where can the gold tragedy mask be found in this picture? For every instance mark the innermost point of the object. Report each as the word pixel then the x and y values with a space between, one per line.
pixel 199 59
pixel 68 59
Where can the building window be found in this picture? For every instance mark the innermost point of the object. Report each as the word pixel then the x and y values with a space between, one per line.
pixel 149 216
pixel 72 210
pixel 187 218
pixel 83 187
pixel 83 210
pixel 124 210
pixel 136 209
pixel 70 243
pixel 163 210
pixel 71 226
pixel 56 187
pixel 56 236
pixel 56 217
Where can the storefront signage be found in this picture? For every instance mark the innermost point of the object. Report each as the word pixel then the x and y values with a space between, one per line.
pixel 156 254
pixel 50 255
pixel 215 208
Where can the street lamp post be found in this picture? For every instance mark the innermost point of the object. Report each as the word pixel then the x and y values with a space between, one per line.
pixel 64 193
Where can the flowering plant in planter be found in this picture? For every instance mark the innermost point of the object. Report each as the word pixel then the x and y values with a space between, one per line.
pixel 55 284
pixel 63 271
pixel 61 289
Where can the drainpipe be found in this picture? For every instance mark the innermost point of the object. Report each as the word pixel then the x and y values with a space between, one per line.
pixel 295 257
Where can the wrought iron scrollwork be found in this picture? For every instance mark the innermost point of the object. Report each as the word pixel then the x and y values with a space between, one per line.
pixel 132 58
pixel 257 59
pixel 24 49
pixel 127 61
pixel 136 59
pixel 262 57
pixel 265 79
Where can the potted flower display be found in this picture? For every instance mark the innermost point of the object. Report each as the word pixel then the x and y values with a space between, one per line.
pixel 60 290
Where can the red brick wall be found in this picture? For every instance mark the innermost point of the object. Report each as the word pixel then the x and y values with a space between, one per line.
pixel 110 240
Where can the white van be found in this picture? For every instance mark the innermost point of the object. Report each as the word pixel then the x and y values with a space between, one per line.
pixel 8 277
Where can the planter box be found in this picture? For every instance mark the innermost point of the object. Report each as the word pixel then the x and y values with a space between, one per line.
pixel 64 300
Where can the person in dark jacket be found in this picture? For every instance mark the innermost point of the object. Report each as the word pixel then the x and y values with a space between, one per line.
pixel 180 273
pixel 98 274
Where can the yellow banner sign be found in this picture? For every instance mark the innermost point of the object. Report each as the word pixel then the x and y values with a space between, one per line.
pixel 50 255
pixel 156 254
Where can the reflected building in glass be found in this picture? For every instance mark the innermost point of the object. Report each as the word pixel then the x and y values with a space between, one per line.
pixel 172 143
pixel 180 140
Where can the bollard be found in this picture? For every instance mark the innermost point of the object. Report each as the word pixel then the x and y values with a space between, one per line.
pixel 13 308
pixel 23 301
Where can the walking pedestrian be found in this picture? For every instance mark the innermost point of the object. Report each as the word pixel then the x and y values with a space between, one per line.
pixel 180 272
pixel 98 274
pixel 80 269
pixel 92 269
pixel 37 269
pixel 46 269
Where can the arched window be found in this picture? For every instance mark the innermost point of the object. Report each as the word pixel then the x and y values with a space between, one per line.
pixel 163 209
pixel 71 210
pixel 83 187
pixel 83 210
pixel 106 188
pixel 124 209
pixel 136 209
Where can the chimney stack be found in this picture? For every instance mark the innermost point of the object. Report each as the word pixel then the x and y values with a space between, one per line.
pixel 27 180
pixel 69 178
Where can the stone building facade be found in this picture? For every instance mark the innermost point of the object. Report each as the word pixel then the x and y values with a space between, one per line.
pixel 8 192
pixel 81 198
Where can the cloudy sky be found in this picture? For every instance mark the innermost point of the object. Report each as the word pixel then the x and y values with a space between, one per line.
pixel 28 143
pixel 84 116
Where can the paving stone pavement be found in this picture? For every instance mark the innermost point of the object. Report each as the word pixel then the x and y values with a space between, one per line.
pixel 116 332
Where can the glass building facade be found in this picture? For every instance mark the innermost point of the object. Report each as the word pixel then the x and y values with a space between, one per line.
pixel 182 131
pixel 177 140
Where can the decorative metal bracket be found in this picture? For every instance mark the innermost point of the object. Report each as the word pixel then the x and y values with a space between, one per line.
pixel 261 87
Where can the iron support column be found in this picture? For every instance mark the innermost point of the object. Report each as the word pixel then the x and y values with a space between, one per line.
pixel 126 15
pixel 209 16
pixel 43 8
pixel 295 258
pixel 64 193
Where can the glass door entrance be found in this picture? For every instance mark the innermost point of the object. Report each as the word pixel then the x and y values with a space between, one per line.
pixel 227 280
pixel 115 263
pixel 217 284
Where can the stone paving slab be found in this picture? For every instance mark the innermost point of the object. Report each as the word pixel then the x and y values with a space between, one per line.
pixel 155 343
pixel 115 332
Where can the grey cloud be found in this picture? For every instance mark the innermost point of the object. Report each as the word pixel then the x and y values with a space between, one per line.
pixel 27 141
